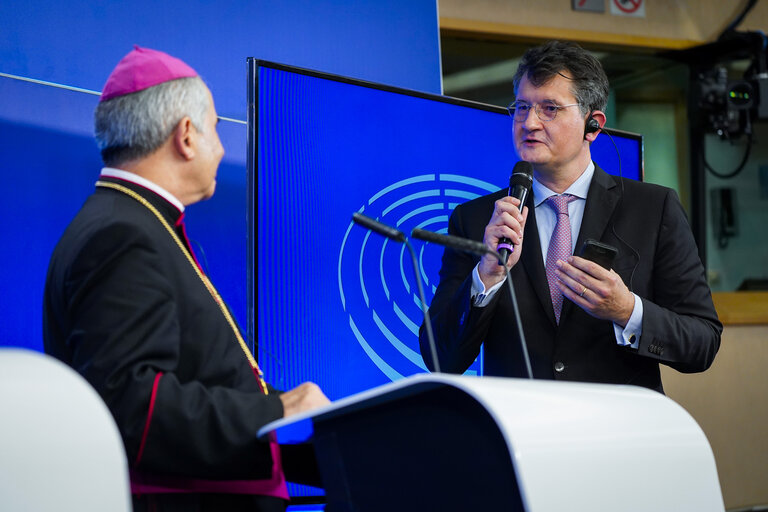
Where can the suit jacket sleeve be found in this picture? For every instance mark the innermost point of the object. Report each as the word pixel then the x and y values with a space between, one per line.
pixel 183 405
pixel 680 324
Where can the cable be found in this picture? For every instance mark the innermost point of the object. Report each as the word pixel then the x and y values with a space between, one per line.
pixel 204 262
pixel 50 84
pixel 279 380
pixel 86 91
pixel 613 224
pixel 738 169
pixel 424 309
pixel 201 252
pixel 735 23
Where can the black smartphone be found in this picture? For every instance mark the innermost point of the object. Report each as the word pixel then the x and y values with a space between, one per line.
pixel 600 253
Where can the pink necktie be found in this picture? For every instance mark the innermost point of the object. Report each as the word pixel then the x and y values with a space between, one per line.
pixel 559 246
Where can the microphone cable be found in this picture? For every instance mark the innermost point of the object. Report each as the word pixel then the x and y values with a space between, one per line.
pixel 250 339
pixel 613 223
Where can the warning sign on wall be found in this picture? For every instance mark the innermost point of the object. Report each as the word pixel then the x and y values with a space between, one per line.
pixel 588 5
pixel 635 8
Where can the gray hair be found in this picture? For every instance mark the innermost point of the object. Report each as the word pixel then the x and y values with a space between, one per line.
pixel 134 125
pixel 589 83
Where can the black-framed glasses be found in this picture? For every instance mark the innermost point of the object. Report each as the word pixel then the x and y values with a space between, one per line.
pixel 546 111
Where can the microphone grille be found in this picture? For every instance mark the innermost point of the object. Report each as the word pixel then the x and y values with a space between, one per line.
pixel 522 175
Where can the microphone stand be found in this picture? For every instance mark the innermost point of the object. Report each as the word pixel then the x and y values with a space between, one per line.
pixel 398 236
pixel 516 308
pixel 424 308
pixel 474 247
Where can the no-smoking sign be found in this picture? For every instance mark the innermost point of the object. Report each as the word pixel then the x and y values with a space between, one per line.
pixel 634 8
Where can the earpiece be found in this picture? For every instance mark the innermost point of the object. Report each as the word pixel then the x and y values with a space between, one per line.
pixel 592 126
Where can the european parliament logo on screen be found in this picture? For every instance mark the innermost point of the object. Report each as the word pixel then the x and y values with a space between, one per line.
pixel 377 286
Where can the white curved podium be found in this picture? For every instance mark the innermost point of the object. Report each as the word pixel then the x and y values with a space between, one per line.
pixel 445 442
pixel 59 445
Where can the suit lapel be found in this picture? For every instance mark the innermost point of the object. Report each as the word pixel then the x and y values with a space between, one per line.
pixel 601 201
pixel 533 262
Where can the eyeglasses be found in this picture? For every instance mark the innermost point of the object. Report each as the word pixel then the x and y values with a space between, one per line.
pixel 546 111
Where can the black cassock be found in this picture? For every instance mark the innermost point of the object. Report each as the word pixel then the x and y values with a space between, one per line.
pixel 125 307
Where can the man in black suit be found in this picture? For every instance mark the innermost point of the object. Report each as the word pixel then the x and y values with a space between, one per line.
pixel 581 321
pixel 127 305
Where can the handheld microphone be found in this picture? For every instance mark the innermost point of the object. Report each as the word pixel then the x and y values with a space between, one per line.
pixel 472 246
pixel 520 182
pixel 398 236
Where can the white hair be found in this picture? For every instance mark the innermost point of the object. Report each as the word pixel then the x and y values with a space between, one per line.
pixel 134 125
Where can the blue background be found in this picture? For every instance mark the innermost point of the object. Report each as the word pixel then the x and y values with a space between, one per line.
pixel 49 161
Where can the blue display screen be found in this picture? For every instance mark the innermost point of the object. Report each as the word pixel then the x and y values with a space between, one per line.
pixel 336 304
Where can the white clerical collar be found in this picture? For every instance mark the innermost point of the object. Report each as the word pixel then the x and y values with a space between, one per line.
pixel 578 188
pixel 111 172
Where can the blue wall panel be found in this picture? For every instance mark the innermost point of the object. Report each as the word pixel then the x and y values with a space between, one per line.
pixel 49 161
pixel 78 42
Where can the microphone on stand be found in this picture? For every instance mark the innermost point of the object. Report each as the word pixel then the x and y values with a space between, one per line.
pixel 378 227
pixel 520 182
pixel 474 247
pixel 398 236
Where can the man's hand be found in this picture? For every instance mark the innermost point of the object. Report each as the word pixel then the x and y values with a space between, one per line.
pixel 506 222
pixel 598 291
pixel 302 398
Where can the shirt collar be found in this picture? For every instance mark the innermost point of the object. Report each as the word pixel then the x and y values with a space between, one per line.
pixel 578 188
pixel 111 172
